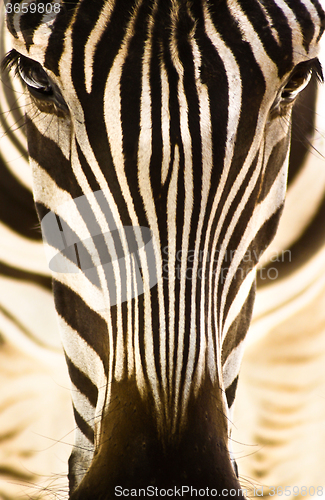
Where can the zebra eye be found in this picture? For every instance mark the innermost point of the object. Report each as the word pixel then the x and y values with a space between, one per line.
pixel 299 79
pixel 36 79
pixel 40 85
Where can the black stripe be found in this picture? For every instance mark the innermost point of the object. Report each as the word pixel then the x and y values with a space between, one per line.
pixel 231 392
pixel 20 274
pixel 82 382
pixel 90 176
pixel 29 23
pixel 89 325
pixel 85 428
pixel 156 105
pixel 50 157
pixel 17 207
pixel 77 253
pixel 15 476
pixel 303 126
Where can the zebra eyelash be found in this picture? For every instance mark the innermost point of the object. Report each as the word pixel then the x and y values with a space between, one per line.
pixel 317 70
pixel 11 62
pixel 303 69
pixel 48 96
pixel 18 63
pixel 297 81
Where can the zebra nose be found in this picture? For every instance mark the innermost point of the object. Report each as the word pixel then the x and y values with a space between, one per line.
pixel 183 471
pixel 135 458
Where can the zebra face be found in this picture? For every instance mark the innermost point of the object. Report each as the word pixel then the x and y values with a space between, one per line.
pixel 158 134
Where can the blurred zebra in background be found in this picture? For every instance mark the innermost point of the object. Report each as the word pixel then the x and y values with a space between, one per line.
pixel 35 406
pixel 282 375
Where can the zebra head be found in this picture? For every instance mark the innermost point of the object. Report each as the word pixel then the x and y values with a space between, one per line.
pixel 158 134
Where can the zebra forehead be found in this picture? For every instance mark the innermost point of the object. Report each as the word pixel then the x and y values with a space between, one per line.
pixel 41 38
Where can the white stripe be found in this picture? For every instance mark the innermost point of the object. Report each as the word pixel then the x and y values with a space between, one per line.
pixel 239 300
pixel 17 165
pixel 165 123
pixel 129 340
pixel 22 253
pixel 32 306
pixel 232 365
pixel 14 161
pixel 171 252
pixel 303 199
pixel 137 356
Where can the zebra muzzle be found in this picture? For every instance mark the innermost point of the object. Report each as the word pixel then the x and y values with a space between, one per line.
pixel 134 458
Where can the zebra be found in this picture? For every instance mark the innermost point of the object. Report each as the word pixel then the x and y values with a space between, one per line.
pixel 155 210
